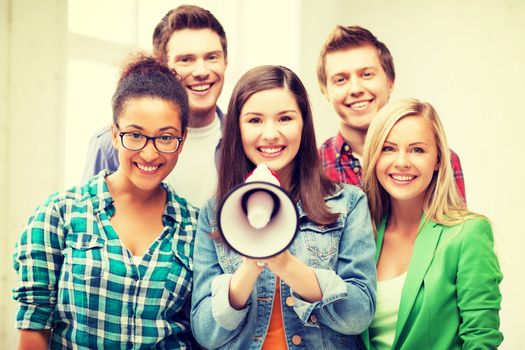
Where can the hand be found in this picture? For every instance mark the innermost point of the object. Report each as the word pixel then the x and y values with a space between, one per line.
pixel 300 277
pixel 253 265
pixel 279 263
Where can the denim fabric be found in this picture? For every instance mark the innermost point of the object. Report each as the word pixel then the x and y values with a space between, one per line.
pixel 342 256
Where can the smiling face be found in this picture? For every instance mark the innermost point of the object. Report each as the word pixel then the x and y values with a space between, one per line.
pixel 356 85
pixel 408 160
pixel 150 116
pixel 271 125
pixel 198 58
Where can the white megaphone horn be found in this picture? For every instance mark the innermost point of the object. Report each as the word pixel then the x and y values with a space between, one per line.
pixel 258 219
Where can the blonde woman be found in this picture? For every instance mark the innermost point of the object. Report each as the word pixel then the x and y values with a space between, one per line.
pixel 438 275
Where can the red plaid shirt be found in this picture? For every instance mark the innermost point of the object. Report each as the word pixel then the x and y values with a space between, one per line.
pixel 341 166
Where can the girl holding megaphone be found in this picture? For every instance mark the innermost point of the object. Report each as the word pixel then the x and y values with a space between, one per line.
pixel 319 292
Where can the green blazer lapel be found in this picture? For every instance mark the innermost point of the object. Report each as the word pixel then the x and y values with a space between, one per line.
pixel 380 235
pixel 424 248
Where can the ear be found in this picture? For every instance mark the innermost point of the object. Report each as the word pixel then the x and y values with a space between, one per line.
pixel 324 92
pixel 114 136
pixel 183 140
pixel 391 84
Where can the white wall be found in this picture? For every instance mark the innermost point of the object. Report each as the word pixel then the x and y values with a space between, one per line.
pixel 4 86
pixel 33 54
pixel 464 57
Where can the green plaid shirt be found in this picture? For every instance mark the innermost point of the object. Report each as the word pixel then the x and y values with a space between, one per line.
pixel 77 279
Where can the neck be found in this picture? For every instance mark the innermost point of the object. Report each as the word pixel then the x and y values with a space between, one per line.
pixel 405 216
pixel 354 137
pixel 200 119
pixel 120 187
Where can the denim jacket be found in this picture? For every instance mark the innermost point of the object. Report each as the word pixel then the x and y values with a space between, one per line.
pixel 342 256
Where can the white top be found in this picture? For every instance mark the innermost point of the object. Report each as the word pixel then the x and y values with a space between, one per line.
pixel 195 175
pixel 383 327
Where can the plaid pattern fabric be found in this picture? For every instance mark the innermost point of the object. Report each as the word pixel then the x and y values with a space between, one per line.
pixel 77 279
pixel 341 166
pixel 339 163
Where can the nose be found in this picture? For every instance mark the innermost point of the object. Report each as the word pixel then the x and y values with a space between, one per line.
pixel 149 153
pixel 201 69
pixel 403 161
pixel 270 131
pixel 356 88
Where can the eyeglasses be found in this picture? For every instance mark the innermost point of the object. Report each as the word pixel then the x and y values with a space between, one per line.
pixel 135 141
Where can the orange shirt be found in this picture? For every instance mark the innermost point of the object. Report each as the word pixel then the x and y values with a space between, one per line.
pixel 275 338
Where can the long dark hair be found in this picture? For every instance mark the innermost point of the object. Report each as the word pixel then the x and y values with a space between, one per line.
pixel 308 183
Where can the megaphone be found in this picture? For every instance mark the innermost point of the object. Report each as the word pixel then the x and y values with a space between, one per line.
pixel 258 219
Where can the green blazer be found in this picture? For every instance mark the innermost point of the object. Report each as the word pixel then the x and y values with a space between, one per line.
pixel 451 297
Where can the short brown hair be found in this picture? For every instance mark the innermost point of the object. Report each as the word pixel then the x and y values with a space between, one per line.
pixel 344 38
pixel 184 17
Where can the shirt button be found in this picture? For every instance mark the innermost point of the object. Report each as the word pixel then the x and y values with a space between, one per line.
pixel 346 148
pixel 296 340
pixel 356 169
pixel 313 319
pixel 290 302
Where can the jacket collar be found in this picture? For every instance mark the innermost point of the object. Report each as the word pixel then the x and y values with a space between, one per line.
pixel 98 191
pixel 338 192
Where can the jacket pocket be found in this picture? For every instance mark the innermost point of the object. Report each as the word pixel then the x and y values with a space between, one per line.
pixel 322 242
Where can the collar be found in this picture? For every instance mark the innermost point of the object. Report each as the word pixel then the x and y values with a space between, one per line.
pixel 98 191
pixel 342 147
pixel 220 115
pixel 338 192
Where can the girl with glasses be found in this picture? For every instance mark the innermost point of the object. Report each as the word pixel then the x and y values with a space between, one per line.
pixel 108 265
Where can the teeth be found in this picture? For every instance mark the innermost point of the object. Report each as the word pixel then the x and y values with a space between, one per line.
pixel 147 168
pixel 203 87
pixel 270 150
pixel 402 178
pixel 360 105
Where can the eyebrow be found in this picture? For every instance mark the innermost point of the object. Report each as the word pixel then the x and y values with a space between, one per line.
pixel 411 144
pixel 193 54
pixel 343 72
pixel 135 126
pixel 279 113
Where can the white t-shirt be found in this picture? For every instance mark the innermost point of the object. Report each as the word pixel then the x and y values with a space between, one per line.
pixel 383 327
pixel 195 175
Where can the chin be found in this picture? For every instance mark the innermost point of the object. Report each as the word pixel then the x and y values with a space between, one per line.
pixel 147 185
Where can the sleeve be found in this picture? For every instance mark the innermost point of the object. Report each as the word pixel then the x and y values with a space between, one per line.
pixel 478 282
pixel 458 175
pixel 349 294
pixel 100 154
pixel 38 261
pixel 214 322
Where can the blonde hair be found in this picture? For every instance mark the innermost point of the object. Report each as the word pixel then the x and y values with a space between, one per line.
pixel 442 204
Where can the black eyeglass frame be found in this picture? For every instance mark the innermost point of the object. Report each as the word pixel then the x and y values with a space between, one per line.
pixel 148 138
